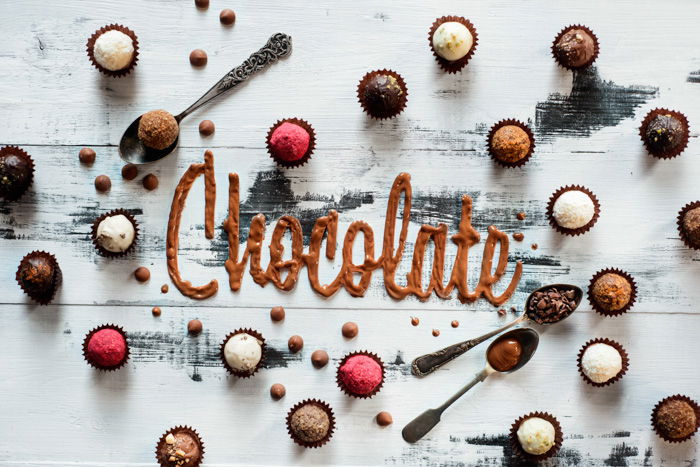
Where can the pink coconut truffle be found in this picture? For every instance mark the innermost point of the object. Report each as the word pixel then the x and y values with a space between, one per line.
pixel 360 374
pixel 289 142
pixel 106 348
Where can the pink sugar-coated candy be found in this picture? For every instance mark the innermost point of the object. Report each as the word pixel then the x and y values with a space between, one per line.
pixel 361 374
pixel 289 142
pixel 106 347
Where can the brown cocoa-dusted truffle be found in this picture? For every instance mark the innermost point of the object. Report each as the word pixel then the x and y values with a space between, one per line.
pixel 39 276
pixel 690 224
pixel 16 172
pixel 382 94
pixel 309 423
pixel 675 418
pixel 180 446
pixel 611 292
pixel 510 143
pixel 575 48
pixel 664 134
pixel 158 129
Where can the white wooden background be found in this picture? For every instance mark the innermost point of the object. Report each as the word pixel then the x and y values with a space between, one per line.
pixel 55 410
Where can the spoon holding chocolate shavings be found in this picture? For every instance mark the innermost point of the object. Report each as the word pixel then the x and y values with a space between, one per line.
pixel 546 305
pixel 155 134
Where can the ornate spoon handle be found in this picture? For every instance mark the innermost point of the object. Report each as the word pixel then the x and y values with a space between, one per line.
pixel 426 364
pixel 279 45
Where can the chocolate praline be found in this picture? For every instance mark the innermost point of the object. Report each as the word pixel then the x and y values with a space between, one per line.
pixel 158 129
pixel 575 48
pixel 309 423
pixel 39 275
pixel 611 292
pixel 180 446
pixel 675 419
pixel 664 134
pixel 383 95
pixel 510 143
pixel 691 226
pixel 16 173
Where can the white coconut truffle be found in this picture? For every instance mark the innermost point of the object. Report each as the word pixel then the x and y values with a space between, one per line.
pixel 243 352
pixel 113 50
pixel 536 435
pixel 115 233
pixel 573 209
pixel 601 362
pixel 452 40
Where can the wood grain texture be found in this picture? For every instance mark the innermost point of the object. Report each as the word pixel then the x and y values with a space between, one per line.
pixel 586 130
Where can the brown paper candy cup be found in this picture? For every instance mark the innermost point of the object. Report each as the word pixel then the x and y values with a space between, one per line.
pixel 520 125
pixel 22 155
pixel 307 155
pixel 681 229
pixel 111 254
pixel 42 298
pixel 368 110
pixel 89 335
pixel 447 65
pixel 518 449
pixel 180 428
pixel 331 426
pixel 596 47
pixel 618 347
pixel 580 230
pixel 619 272
pixel 677 397
pixel 229 368
pixel 91 47
pixel 347 390
pixel 686 133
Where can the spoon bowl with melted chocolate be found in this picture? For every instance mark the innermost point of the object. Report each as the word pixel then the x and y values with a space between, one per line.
pixel 506 354
pixel 136 151
pixel 547 305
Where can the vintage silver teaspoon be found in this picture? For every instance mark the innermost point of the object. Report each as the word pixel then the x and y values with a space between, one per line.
pixel 131 149
pixel 502 356
pixel 426 364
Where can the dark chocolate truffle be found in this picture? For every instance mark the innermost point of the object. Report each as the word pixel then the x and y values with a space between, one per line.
pixel 295 344
pixel 198 58
pixel 179 447
pixel 87 156
pixel 319 358
pixel 664 134
pixel 382 94
pixel 350 330
pixel 277 391
pixel 227 17
pixel 39 276
pixel 309 423
pixel 103 183
pixel 675 418
pixel 130 171
pixel 16 172
pixel 575 48
pixel 510 143
pixel 611 292
pixel 690 224
pixel 158 129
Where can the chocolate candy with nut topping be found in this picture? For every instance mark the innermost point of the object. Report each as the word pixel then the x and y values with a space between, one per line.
pixel 383 95
pixel 510 143
pixel 664 134
pixel 15 175
pixel 676 419
pixel 575 48
pixel 180 447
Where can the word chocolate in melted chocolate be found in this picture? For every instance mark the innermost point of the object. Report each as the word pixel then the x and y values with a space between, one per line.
pixel 327 226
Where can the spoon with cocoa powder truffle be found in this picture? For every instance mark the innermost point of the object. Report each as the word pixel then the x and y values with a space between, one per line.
pixel 547 305
pixel 155 134
pixel 507 354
